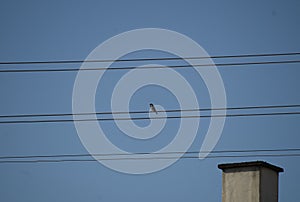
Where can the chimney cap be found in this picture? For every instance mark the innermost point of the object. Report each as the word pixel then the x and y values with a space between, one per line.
pixel 250 164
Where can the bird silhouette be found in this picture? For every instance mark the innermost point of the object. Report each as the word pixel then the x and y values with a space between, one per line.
pixel 152 108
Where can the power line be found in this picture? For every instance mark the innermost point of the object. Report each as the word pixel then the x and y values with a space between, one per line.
pixel 151 59
pixel 144 112
pixel 148 118
pixel 148 153
pixel 148 67
pixel 149 158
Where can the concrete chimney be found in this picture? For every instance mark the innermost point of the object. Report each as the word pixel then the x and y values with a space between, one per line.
pixel 250 182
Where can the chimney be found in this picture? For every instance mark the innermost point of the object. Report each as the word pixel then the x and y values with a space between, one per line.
pixel 250 182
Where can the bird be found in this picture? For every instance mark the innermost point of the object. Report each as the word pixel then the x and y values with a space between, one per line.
pixel 152 108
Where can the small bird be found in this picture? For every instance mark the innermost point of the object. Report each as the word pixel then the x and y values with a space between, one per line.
pixel 153 108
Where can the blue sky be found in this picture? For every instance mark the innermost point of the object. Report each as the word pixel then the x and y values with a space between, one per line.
pixel 70 30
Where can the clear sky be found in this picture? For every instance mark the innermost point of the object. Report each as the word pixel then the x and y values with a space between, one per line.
pixel 70 30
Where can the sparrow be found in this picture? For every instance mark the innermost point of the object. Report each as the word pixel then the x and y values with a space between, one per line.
pixel 152 108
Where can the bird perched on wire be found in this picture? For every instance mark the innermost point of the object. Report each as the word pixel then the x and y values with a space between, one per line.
pixel 152 108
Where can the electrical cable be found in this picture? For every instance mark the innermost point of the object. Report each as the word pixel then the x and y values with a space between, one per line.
pixel 148 118
pixel 149 158
pixel 151 59
pixel 146 112
pixel 147 67
pixel 156 153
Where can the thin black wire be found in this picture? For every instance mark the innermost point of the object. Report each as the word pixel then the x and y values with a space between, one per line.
pixel 148 118
pixel 151 59
pixel 148 153
pixel 147 67
pixel 143 112
pixel 149 158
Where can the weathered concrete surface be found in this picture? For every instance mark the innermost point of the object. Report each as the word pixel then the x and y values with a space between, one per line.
pixel 250 182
